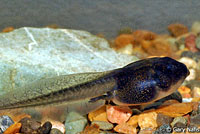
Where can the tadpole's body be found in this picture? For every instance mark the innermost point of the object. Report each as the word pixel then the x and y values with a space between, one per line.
pixel 138 83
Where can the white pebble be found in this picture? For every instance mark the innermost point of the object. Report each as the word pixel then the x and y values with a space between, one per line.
pixel 190 63
pixel 192 75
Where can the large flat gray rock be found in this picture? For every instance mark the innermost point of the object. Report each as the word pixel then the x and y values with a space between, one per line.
pixel 29 54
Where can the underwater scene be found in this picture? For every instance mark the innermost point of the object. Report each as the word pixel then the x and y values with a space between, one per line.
pixel 99 67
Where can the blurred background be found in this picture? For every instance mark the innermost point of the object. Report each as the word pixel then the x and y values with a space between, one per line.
pixel 99 16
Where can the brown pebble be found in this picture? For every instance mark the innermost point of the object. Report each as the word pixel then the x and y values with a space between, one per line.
pixel 55 131
pixel 29 126
pixel 179 122
pixel 177 29
pixel 92 129
pixel 140 35
pixel 195 120
pixel 163 119
pixel 46 128
pixel 123 40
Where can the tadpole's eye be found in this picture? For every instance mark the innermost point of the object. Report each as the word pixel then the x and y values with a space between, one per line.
pixel 163 81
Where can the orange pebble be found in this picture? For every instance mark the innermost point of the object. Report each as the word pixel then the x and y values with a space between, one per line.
pixel 98 115
pixel 123 40
pixel 148 120
pixel 93 129
pixel 184 90
pixel 186 95
pixel 176 109
pixel 133 120
pixel 53 26
pixel 7 29
pixel 196 99
pixel 126 129
pixel 177 29
pixel 118 114
pixel 144 35
pixel 13 129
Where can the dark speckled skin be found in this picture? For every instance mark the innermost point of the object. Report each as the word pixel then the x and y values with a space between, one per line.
pixel 142 81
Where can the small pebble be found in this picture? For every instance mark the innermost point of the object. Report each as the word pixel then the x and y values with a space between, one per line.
pixel 118 114
pixel 125 30
pixel 192 129
pixel 13 129
pixel 45 129
pixel 103 125
pixel 128 49
pixel 198 109
pixel 185 100
pixel 107 132
pixel 92 129
pixel 195 56
pixel 179 121
pixel 123 40
pixel 189 62
pixel 195 120
pixel 8 29
pixel 193 75
pixel 164 129
pixel 198 42
pixel 186 95
pixel 195 27
pixel 146 131
pixel 55 131
pixel 177 29
pixel 133 120
pixel 5 122
pixel 98 115
pixel 187 54
pixel 75 123
pixel 184 90
pixel 192 84
pixel 58 125
pixel 190 43
pixel 29 126
pixel 176 109
pixel 195 99
pixel 148 120
pixel 196 92
pixel 146 35
pixel 125 129
pixel 163 119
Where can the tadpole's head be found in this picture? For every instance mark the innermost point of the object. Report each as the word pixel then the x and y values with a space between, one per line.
pixel 169 72
pixel 148 80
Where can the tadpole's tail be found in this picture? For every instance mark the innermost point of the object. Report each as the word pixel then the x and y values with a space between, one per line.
pixel 55 112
